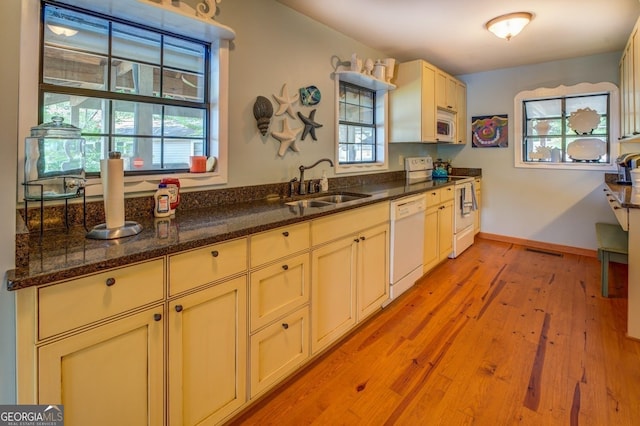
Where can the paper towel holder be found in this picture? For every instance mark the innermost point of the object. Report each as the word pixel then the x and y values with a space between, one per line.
pixel 101 232
pixel 128 229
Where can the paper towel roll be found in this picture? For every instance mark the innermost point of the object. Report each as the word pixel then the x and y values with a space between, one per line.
pixel 112 174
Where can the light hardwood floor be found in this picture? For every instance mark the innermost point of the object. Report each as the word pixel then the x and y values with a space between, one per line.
pixel 501 335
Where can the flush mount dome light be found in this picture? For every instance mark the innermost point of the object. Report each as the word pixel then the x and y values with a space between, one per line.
pixel 509 25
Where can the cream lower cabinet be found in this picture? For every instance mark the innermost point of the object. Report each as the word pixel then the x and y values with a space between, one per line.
pixel 349 274
pixel 476 215
pixel 438 227
pixel 207 353
pixel 279 316
pixel 108 375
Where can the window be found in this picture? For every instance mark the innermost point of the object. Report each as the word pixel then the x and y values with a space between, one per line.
pixel 130 88
pixel 357 125
pixel 567 127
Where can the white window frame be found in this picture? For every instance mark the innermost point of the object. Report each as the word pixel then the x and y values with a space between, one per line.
pixel 167 18
pixel 560 91
pixel 381 112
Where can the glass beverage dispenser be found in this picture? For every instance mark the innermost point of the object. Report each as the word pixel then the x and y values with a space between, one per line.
pixel 54 161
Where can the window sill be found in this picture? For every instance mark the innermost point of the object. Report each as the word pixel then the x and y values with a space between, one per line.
pixel 600 167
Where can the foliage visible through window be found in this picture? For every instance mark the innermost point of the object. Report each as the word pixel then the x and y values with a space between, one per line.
pixel 568 129
pixel 357 125
pixel 129 88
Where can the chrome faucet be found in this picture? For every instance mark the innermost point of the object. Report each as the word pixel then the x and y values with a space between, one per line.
pixel 303 189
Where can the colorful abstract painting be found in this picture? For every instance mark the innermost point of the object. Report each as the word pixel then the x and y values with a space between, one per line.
pixel 490 131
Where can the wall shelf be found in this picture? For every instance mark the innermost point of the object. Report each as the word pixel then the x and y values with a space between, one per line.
pixel 363 80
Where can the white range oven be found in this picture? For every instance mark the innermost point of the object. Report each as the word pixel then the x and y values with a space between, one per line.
pixel 465 205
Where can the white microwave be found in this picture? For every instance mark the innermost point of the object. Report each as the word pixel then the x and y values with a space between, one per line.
pixel 446 126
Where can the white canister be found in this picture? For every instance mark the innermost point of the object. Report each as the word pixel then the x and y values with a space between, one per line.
pixel 379 70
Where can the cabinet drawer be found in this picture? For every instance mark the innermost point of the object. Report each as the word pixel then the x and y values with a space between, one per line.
pixel 278 243
pixel 338 225
pixel 433 197
pixel 278 289
pixel 197 267
pixel 447 193
pixel 65 306
pixel 279 349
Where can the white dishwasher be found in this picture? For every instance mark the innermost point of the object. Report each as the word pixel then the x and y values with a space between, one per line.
pixel 407 242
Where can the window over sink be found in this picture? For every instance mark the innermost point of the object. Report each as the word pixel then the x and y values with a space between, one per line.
pixel 567 127
pixel 137 76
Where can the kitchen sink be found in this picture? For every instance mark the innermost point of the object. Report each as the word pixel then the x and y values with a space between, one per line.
pixel 340 198
pixel 327 200
pixel 309 203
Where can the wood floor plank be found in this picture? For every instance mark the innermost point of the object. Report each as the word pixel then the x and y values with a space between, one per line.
pixel 501 335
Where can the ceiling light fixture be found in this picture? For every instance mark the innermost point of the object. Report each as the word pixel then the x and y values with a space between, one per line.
pixel 63 31
pixel 509 25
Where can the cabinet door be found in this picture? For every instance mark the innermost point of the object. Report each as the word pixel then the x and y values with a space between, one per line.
pixel 431 251
pixel 278 289
pixel 461 105
pixel 428 104
pixel 635 81
pixel 108 375
pixel 208 354
pixel 373 270
pixel 445 229
pixel 333 291
pixel 278 349
pixel 476 218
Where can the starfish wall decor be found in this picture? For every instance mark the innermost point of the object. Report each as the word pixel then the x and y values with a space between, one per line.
pixel 310 125
pixel 287 138
pixel 285 102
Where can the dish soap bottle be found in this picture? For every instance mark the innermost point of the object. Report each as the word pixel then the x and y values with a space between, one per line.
pixel 324 182
pixel 162 201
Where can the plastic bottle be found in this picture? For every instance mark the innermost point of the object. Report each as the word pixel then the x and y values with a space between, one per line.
pixel 324 182
pixel 162 201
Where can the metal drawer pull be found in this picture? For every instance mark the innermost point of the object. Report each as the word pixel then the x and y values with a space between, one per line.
pixel 363 238
pixel 157 317
pixel 215 253
pixel 178 308
pixel 285 233
pixel 285 325
pixel 110 281
pixel 356 240
pixel 285 267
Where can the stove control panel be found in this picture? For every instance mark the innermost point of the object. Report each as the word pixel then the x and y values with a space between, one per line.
pixel 412 164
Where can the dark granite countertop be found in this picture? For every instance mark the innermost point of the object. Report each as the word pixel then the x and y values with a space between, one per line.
pixel 62 255
pixel 628 196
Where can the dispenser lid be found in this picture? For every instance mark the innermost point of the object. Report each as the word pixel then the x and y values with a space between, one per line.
pixel 56 128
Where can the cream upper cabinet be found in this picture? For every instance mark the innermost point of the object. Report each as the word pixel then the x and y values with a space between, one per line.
pixel 208 354
pixel 421 90
pixel 112 374
pixel 412 105
pixel 438 232
pixel 461 114
pixel 630 86
pixel 446 93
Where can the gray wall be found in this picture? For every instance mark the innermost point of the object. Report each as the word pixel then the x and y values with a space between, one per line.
pixel 553 206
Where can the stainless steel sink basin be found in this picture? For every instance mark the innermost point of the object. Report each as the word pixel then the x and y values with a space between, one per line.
pixel 341 198
pixel 309 203
pixel 327 200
